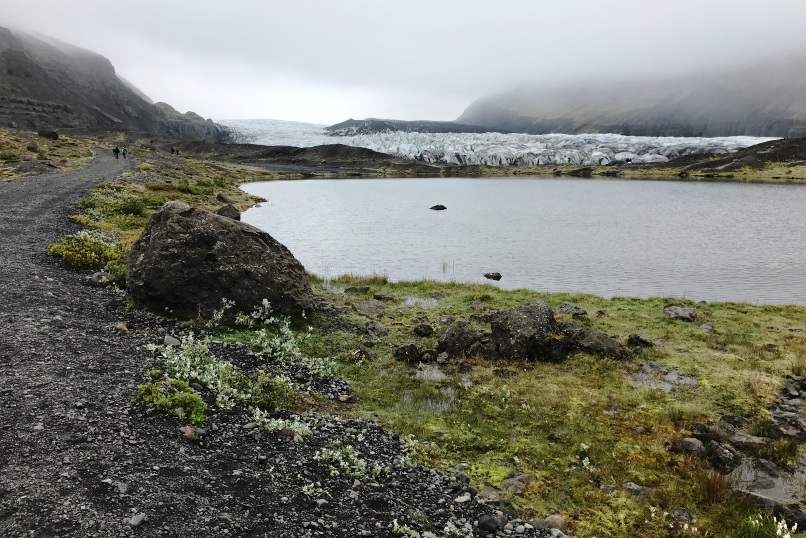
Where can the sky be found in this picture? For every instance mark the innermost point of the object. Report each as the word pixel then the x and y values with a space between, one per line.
pixel 323 61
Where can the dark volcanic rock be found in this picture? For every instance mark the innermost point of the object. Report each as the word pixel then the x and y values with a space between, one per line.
pixel 438 207
pixel 230 212
pixel 188 260
pixel 571 309
pixel 457 340
pixel 528 332
pixel 592 341
pixel 492 276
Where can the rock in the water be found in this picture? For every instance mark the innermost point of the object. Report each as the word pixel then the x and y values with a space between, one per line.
pixel 679 311
pixel 438 207
pixel 188 260
pixel 492 276
pixel 230 212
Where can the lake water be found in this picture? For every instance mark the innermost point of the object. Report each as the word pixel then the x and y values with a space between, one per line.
pixel 703 241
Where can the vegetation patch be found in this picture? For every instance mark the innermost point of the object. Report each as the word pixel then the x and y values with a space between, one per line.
pixel 89 249
pixel 175 397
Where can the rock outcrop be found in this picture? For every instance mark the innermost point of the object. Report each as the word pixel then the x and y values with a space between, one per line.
pixel 51 85
pixel 188 260
pixel 526 332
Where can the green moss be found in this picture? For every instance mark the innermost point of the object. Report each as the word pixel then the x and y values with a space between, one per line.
pixel 175 397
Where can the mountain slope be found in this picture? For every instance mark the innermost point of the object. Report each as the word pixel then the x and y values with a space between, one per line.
pixel 765 100
pixel 47 84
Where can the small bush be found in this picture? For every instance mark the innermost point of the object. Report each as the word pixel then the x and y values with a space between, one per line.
pixel 343 461
pixel 270 393
pixel 9 156
pixel 175 397
pixel 88 250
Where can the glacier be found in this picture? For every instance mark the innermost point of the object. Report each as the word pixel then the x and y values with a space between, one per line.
pixel 494 149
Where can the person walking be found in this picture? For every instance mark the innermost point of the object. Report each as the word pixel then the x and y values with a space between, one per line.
pixel 125 151
pixel 116 152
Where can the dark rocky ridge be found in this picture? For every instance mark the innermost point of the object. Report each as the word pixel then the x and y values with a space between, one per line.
pixel 46 84
pixel 763 100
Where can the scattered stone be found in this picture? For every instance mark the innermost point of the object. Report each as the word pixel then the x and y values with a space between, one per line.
pixel 635 489
pixel 407 353
pixel 72 438
pixel 423 330
pixel 681 312
pixel 171 341
pixel 636 340
pixel 189 432
pixel 371 308
pixel 121 327
pixel 225 198
pixel 488 523
pixel 492 276
pixel 517 485
pixel 438 207
pixel 50 135
pixel 135 520
pixel 457 339
pixel 555 521
pixel 594 342
pixel 571 309
pixel 101 277
pixel 601 313
pixel 384 297
pixel 750 442
pixel 353 290
pixel 690 445
pixel 707 327
pixel 229 211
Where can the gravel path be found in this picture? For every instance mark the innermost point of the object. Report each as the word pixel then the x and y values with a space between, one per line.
pixel 78 457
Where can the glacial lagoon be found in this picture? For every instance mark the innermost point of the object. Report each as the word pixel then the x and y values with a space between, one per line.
pixel 702 241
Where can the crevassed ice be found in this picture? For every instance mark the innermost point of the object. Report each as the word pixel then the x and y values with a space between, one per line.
pixel 495 149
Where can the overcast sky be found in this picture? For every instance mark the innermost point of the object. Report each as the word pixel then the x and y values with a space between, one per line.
pixel 324 61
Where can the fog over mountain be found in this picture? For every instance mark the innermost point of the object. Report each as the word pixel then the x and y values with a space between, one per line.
pixel 763 99
pixel 321 61
pixel 48 84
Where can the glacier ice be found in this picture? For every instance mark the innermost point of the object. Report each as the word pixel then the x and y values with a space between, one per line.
pixel 495 149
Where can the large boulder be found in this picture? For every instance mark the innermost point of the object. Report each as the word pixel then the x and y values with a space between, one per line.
pixel 528 332
pixel 188 260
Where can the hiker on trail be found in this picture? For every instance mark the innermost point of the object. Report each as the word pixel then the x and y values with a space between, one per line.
pixel 172 150
pixel 125 151
pixel 116 151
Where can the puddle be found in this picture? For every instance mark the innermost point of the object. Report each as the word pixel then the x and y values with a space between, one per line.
pixel 785 488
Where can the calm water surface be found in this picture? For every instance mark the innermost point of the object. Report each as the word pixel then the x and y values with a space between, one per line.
pixel 704 241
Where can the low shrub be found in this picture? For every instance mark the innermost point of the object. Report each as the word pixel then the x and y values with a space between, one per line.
pixel 175 397
pixel 91 249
